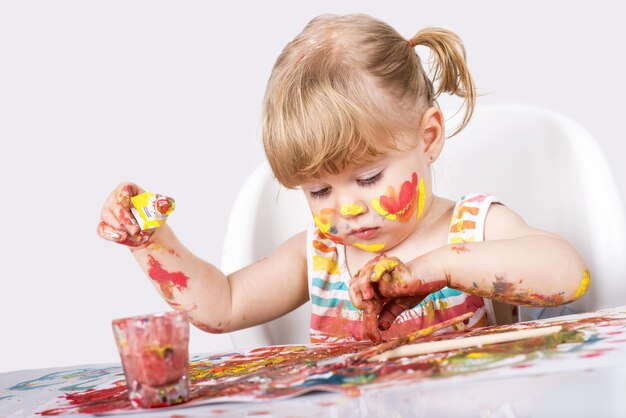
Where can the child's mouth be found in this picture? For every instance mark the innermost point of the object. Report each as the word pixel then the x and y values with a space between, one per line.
pixel 365 233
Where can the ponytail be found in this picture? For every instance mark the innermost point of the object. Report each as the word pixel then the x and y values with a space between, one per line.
pixel 450 68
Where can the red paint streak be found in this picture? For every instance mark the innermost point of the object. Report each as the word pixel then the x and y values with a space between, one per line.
pixel 591 355
pixel 459 249
pixel 404 206
pixel 137 240
pixel 522 366
pixel 93 401
pixel 166 280
pixel 207 328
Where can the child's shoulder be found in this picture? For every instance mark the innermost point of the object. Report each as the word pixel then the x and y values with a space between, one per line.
pixel 502 222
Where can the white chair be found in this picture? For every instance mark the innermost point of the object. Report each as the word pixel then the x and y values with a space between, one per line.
pixel 540 163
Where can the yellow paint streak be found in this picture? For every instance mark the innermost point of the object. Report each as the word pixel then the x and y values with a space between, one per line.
pixel 459 240
pixel 379 209
pixel 584 285
pixel 322 224
pixel 160 350
pixel 327 264
pixel 421 191
pixel 477 355
pixel 351 210
pixel 370 247
pixel 384 266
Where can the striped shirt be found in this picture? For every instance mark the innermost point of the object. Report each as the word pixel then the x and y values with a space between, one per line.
pixel 335 319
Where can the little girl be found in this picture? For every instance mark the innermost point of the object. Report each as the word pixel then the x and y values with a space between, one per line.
pixel 350 117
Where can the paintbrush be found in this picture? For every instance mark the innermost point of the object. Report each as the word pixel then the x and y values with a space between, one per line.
pixel 405 339
pixel 412 350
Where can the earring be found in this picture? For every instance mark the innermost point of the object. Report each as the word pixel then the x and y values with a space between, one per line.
pixel 432 158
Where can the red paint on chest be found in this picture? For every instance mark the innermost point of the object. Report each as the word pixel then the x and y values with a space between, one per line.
pixel 167 280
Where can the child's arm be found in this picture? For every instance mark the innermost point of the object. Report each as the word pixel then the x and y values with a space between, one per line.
pixel 216 303
pixel 516 264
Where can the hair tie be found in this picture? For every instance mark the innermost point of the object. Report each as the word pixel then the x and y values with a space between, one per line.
pixel 412 43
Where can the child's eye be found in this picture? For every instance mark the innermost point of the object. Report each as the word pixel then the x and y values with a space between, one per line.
pixel 370 180
pixel 318 194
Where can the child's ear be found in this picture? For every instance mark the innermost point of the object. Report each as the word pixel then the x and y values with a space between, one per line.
pixel 432 131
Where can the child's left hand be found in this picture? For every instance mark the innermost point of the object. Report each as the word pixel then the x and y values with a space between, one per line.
pixel 383 289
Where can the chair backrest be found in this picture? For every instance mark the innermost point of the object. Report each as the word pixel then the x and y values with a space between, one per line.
pixel 543 165
pixel 264 215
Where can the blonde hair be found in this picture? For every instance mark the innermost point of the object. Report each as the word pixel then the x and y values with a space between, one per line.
pixel 344 89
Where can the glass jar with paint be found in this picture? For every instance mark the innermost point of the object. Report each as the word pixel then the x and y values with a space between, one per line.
pixel 155 356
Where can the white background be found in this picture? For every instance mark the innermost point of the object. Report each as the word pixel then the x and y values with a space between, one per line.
pixel 168 95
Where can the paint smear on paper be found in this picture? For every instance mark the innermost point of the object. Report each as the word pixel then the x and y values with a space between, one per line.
pixel 280 372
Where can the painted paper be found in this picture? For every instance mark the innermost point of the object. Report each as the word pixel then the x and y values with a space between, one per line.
pixel 587 341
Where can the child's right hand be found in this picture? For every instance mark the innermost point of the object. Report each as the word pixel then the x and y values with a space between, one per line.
pixel 117 223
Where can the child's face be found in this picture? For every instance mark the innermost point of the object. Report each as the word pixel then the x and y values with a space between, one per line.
pixel 373 207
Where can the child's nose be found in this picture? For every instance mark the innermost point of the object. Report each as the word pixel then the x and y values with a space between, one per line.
pixel 350 210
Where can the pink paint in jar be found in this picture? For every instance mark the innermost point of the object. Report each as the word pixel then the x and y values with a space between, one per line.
pixel 155 356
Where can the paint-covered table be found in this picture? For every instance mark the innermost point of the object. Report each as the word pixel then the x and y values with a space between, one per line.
pixel 578 371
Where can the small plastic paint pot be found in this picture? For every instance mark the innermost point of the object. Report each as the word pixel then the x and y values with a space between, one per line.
pixel 155 356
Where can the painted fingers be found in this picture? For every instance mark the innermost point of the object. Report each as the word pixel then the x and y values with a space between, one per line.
pixel 394 308
pixel 117 223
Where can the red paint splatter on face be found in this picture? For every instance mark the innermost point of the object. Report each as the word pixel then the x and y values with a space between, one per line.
pixel 404 206
pixel 167 280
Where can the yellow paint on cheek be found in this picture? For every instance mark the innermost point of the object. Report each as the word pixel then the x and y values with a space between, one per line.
pixel 383 267
pixel 324 221
pixel 379 209
pixel 323 226
pixel 584 285
pixel 351 210
pixel 370 247
pixel 421 192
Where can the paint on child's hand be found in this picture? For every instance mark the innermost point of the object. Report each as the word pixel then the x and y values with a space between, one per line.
pixel 402 207
pixel 584 285
pixel 351 209
pixel 384 266
pixel 167 281
pixel 373 248
pixel 151 210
